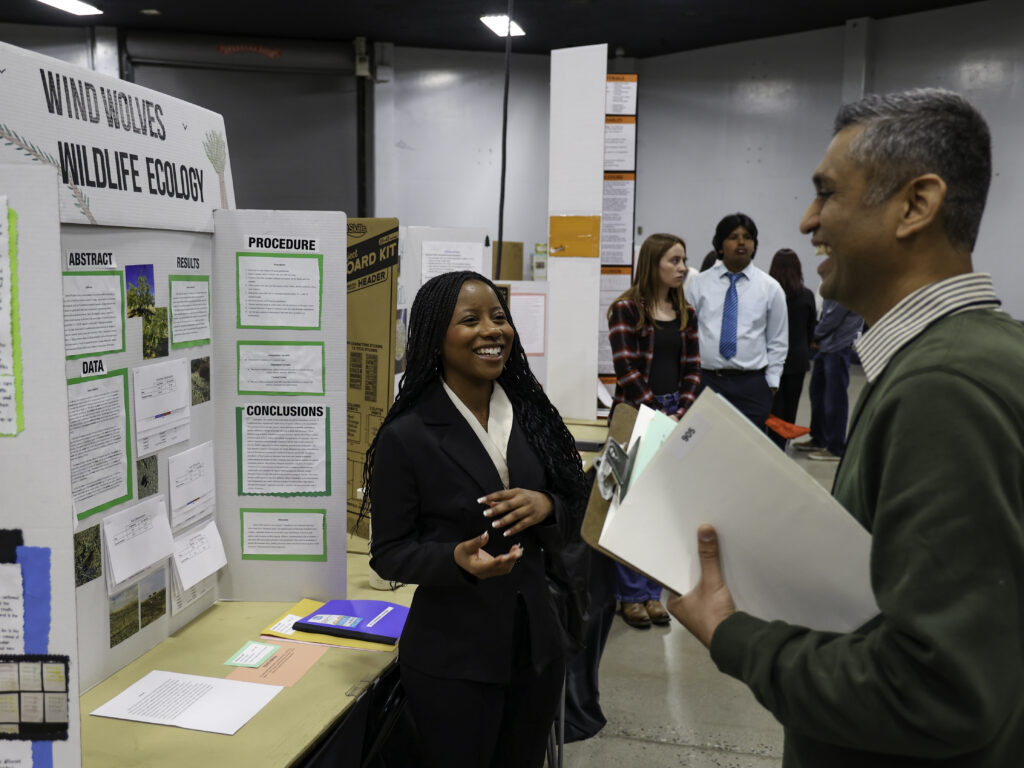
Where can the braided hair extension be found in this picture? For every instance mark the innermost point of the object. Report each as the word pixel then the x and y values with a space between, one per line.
pixel 543 426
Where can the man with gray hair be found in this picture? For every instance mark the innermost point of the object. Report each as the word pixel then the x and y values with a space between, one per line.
pixel 933 467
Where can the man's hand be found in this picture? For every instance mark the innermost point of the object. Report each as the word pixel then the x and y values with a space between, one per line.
pixel 471 557
pixel 710 603
pixel 516 509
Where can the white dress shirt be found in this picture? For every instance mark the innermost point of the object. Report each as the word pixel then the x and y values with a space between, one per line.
pixel 499 426
pixel 762 327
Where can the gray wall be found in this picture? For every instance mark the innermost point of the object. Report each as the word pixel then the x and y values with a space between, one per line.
pixel 736 128
pixel 70 44
pixel 438 142
pixel 742 127
pixel 977 50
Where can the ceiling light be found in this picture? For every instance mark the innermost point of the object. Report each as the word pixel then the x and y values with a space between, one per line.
pixel 150 11
pixel 501 26
pixel 73 6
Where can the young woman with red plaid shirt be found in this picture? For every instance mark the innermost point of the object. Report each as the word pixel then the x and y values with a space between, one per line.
pixel 653 335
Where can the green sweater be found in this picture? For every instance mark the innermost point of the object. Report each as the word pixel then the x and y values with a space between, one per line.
pixel 934 469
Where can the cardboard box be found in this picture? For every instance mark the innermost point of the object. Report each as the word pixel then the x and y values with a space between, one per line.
pixel 511 261
pixel 372 305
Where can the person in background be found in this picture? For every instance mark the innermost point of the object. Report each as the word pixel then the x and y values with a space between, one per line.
pixel 932 467
pixel 653 336
pixel 474 484
pixel 709 260
pixel 802 314
pixel 832 341
pixel 741 314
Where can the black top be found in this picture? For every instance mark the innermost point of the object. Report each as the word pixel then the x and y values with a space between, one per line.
pixel 668 345
pixel 803 316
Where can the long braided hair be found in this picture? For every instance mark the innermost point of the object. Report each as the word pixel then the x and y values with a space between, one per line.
pixel 545 432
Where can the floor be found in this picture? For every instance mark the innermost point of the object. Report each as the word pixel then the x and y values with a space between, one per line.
pixel 666 703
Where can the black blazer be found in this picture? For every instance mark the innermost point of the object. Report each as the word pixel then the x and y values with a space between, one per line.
pixel 429 470
pixel 803 316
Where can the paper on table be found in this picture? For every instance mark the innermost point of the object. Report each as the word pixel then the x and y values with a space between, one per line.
pixel 286 667
pixel 198 553
pixel 190 701
pixel 789 550
pixel 135 538
pixel 252 654
pixel 282 628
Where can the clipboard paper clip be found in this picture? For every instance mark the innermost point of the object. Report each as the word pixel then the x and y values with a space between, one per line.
pixel 614 467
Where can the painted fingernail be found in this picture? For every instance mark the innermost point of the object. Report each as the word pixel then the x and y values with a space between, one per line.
pixel 481 500
pixel 496 524
pixel 487 513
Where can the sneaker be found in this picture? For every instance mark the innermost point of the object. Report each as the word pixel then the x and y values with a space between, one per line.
pixel 807 445
pixel 823 455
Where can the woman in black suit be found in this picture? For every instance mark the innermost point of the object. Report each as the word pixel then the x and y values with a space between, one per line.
pixel 471 477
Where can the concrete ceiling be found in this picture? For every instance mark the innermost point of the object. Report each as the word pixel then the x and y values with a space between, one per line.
pixel 632 28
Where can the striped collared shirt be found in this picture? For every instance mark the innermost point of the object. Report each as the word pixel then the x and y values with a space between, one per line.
pixel 915 312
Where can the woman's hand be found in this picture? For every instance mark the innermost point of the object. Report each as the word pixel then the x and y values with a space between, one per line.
pixel 471 557
pixel 516 509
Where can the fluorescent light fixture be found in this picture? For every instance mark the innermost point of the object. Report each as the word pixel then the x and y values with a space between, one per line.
pixel 501 26
pixel 73 6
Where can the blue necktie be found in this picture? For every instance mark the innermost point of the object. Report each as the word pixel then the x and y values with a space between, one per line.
pixel 727 340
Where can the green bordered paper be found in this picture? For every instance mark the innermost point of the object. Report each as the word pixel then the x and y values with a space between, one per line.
pixel 283 412
pixel 288 375
pixel 252 655
pixel 301 260
pixel 108 275
pixel 123 373
pixel 263 529
pixel 15 378
pixel 172 279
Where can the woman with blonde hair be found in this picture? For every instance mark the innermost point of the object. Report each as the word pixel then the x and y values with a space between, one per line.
pixel 653 335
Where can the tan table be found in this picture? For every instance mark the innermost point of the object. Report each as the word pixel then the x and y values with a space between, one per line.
pixel 279 734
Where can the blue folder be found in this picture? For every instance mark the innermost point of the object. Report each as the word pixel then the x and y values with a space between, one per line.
pixel 376 621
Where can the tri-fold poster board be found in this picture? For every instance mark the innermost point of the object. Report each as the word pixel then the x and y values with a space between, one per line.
pixel 172 390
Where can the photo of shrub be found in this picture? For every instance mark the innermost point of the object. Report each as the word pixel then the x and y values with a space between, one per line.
pixel 155 334
pixel 153 591
pixel 140 298
pixel 146 471
pixel 124 615
pixel 200 380
pixel 88 556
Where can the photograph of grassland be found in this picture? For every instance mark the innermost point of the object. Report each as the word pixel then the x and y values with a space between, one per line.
pixel 153 591
pixel 146 471
pixel 124 615
pixel 88 556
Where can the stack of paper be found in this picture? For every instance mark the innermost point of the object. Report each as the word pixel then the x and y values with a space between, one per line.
pixel 789 550
pixel 191 479
pixel 163 394
pixel 134 539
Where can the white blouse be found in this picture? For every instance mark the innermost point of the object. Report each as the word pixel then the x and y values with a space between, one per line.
pixel 499 427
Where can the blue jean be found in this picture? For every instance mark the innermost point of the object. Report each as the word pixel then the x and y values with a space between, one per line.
pixel 830 406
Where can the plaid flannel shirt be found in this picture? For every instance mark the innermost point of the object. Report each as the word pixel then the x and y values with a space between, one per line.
pixel 633 351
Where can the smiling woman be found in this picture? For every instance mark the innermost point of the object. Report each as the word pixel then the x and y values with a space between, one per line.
pixel 474 486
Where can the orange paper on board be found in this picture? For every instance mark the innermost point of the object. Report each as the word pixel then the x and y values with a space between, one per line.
pixel 286 667
pixel 575 236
